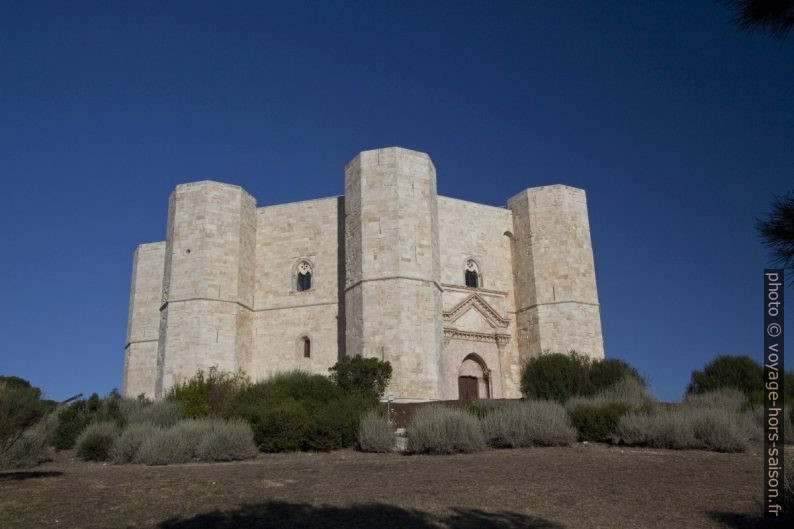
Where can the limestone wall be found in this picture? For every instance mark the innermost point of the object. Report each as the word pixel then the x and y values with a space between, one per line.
pixel 143 323
pixel 471 230
pixel 287 234
pixel 468 230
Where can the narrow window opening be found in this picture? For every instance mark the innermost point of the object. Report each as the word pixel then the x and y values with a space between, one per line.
pixel 307 348
pixel 472 275
pixel 304 276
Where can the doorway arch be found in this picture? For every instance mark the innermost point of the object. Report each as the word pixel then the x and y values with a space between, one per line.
pixel 473 379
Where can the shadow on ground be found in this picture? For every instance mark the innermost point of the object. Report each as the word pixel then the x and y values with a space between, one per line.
pixel 281 515
pixel 734 520
pixel 19 476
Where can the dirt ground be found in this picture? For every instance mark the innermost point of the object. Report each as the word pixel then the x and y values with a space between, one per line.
pixel 585 486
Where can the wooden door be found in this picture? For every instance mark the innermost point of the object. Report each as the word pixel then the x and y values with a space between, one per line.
pixel 468 389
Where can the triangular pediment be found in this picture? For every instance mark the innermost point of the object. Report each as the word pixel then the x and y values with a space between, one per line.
pixel 480 310
pixel 473 320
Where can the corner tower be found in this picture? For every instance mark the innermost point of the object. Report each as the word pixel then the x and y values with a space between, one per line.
pixel 554 275
pixel 392 267
pixel 143 324
pixel 205 316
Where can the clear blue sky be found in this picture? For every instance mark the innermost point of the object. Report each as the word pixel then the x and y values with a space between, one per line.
pixel 678 125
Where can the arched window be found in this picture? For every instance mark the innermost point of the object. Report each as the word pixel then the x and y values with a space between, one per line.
pixel 472 274
pixel 304 280
pixel 307 347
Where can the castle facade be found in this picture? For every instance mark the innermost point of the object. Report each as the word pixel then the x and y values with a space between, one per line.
pixel 455 295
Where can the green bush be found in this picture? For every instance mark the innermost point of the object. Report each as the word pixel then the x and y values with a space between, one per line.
pixel 299 411
pixel 375 434
pixel 343 415
pixel 597 423
pixel 442 430
pixel 279 428
pixel 737 372
pixel 299 386
pixel 366 376
pixel 558 376
pixel 159 413
pixel 126 446
pixel 96 441
pixel 21 407
pixel 207 395
pixel 225 441
pixel 607 373
pixel 528 423
pixel 74 418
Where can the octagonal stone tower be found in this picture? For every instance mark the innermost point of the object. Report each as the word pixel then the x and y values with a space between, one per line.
pixel 143 325
pixel 207 296
pixel 392 272
pixel 555 288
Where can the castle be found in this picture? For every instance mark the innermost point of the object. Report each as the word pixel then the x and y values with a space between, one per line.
pixel 455 295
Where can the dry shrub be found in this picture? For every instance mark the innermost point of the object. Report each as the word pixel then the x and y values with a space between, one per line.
pixel 166 446
pixel 753 418
pixel 729 399
pixel 720 430
pixel 225 441
pixel 788 487
pixel 31 448
pixel 660 428
pixel 375 434
pixel 96 441
pixel 628 392
pixel 685 427
pixel 187 440
pixel 483 407
pixel 530 423
pixel 125 449
pixel 441 430
pixel 159 413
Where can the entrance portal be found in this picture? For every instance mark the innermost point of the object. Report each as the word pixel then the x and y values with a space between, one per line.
pixel 473 379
